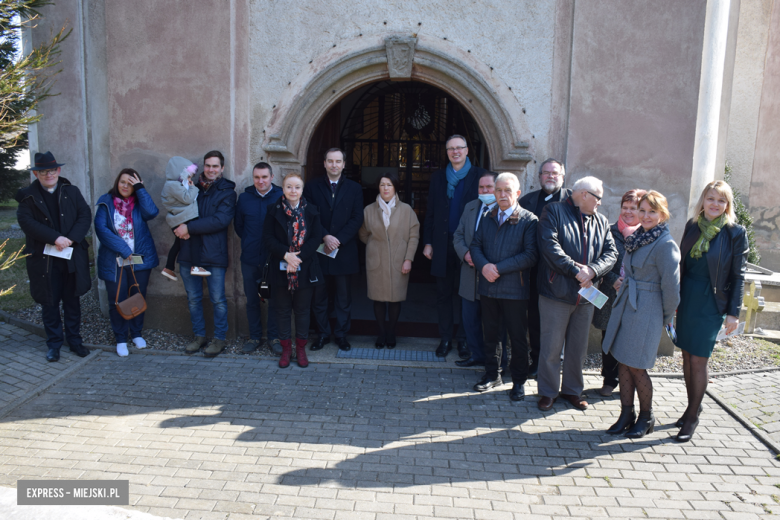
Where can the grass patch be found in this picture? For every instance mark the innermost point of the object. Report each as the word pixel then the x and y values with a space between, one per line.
pixel 771 349
pixel 7 218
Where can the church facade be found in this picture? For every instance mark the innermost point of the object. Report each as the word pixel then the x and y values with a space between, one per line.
pixel 655 95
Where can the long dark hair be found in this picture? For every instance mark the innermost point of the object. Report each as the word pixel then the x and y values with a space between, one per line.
pixel 114 191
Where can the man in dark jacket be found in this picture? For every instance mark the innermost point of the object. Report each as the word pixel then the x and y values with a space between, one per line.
pixel 55 218
pixel 504 250
pixel 576 247
pixel 216 207
pixel 552 173
pixel 450 190
pixel 251 210
pixel 340 204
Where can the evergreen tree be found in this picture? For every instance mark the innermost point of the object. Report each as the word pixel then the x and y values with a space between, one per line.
pixel 744 219
pixel 25 80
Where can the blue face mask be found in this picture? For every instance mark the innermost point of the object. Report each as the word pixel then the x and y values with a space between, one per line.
pixel 487 199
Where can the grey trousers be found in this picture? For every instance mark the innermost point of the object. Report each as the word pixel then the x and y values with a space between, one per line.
pixel 562 322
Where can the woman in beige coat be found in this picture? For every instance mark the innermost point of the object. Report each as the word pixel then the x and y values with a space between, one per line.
pixel 391 232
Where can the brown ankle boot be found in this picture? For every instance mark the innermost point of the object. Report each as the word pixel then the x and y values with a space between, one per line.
pixel 284 361
pixel 300 352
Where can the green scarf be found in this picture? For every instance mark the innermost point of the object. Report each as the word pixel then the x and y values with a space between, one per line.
pixel 708 231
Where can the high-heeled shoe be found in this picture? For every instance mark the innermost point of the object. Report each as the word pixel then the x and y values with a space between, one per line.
pixel 625 421
pixel 645 424
pixel 686 434
pixel 380 342
pixel 681 420
pixel 390 343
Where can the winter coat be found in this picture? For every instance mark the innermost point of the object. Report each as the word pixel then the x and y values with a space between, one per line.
pixel 561 243
pixel 111 244
pixel 437 214
pixel 511 247
pixel 75 220
pixel 341 216
pixel 216 208
pixel 178 201
pixel 645 303
pixel 277 233
pixel 251 211
pixel 387 249
pixel 461 240
pixel 727 268
pixel 601 316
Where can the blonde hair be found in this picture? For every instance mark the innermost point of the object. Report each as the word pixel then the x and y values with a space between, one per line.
pixel 292 174
pixel 724 190
pixel 657 202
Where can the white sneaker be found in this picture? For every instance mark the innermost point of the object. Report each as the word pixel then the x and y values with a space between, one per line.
pixel 121 349
pixel 139 342
pixel 199 271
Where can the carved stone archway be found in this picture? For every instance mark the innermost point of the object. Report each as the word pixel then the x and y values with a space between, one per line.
pixel 366 60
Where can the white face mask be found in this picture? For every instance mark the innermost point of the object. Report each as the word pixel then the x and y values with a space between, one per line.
pixel 487 198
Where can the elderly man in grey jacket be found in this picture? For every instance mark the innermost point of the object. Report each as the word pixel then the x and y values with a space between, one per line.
pixel 504 249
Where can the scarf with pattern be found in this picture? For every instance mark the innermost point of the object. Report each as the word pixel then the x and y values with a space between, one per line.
pixel 709 228
pixel 204 183
pixel 296 232
pixel 643 238
pixel 124 224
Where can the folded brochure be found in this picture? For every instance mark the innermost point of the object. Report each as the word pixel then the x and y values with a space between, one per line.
pixel 594 296
pixel 52 250
pixel 332 254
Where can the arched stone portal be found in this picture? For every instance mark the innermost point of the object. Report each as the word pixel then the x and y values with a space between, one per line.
pixel 362 61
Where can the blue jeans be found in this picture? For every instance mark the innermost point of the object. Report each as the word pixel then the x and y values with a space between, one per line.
pixel 194 287
pixel 120 325
pixel 252 274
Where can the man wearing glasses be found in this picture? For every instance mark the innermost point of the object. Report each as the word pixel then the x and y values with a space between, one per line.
pixel 552 173
pixel 450 190
pixel 53 213
pixel 575 248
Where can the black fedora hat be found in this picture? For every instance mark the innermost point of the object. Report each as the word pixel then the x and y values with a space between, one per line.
pixel 45 161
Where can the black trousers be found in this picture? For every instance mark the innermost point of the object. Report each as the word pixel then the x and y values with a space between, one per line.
pixel 534 325
pixel 63 289
pixel 609 366
pixel 173 252
pixel 448 301
pixel 513 315
pixel 289 303
pixel 334 294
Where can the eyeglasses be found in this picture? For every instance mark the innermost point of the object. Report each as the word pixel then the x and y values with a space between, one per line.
pixel 456 148
pixel 553 174
pixel 596 196
pixel 47 173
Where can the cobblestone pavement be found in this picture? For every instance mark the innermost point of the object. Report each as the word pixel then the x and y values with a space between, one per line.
pixel 756 396
pixel 240 439
pixel 23 365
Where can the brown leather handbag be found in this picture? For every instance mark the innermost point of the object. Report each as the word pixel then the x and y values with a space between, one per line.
pixel 134 305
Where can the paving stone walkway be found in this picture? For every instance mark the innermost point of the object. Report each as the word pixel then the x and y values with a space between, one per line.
pixel 756 396
pixel 241 438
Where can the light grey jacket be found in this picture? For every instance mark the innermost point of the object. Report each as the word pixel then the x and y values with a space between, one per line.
pixel 645 303
pixel 469 277
pixel 180 203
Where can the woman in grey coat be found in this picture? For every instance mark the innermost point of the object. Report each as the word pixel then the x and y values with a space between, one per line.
pixel 646 301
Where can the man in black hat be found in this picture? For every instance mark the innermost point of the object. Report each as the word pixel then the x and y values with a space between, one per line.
pixel 53 213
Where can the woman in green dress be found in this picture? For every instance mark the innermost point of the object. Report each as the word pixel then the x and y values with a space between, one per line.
pixel 714 253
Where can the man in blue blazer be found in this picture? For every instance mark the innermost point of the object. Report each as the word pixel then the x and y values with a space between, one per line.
pixel 450 190
pixel 340 203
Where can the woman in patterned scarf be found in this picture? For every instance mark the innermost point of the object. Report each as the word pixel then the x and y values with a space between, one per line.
pixel 714 253
pixel 645 302
pixel 291 234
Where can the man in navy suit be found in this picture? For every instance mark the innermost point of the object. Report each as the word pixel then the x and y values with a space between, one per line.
pixel 451 189
pixel 340 203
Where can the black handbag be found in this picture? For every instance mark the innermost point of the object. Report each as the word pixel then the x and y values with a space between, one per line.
pixel 263 290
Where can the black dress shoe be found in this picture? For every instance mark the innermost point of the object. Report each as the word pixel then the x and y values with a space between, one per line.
pixel 470 362
pixel 463 350
pixel 80 351
pixel 380 342
pixel 320 343
pixel 486 384
pixel 681 420
pixel 686 432
pixel 390 343
pixel 53 355
pixel 517 393
pixel 343 344
pixel 444 348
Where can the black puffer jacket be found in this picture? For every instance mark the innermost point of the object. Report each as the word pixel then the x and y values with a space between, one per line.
pixel 75 220
pixel 562 242
pixel 216 208
pixel 727 267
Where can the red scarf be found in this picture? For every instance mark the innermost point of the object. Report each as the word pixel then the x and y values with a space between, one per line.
pixel 625 229
pixel 298 225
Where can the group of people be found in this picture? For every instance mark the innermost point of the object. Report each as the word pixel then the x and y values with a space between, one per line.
pixel 513 268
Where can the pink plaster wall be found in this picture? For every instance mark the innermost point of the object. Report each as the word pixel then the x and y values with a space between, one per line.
pixel 764 187
pixel 634 97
